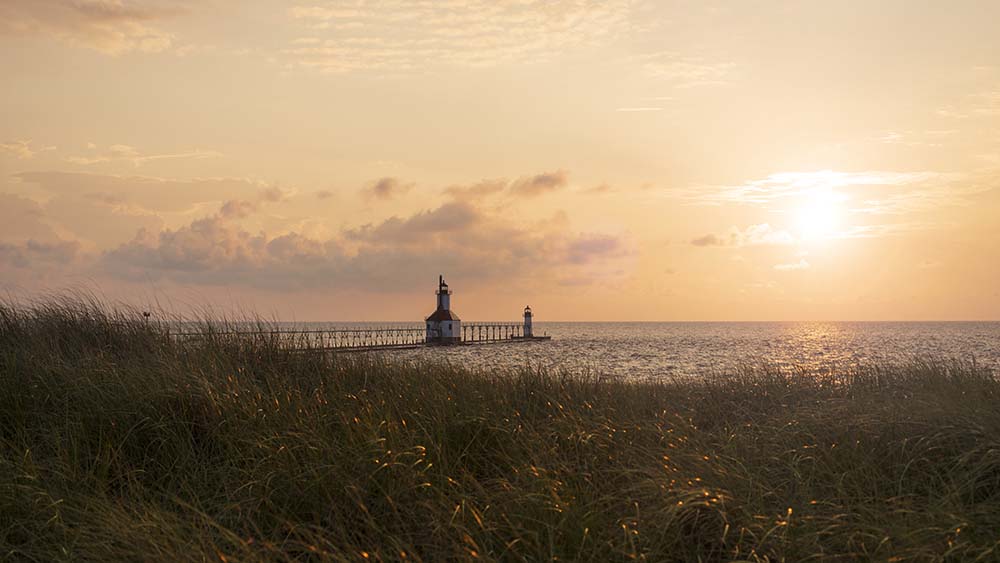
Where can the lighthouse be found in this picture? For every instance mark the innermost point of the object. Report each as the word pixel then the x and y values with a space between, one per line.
pixel 527 322
pixel 443 326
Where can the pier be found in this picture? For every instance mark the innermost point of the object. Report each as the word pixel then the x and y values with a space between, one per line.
pixel 491 332
pixel 322 340
pixel 442 328
pixel 368 339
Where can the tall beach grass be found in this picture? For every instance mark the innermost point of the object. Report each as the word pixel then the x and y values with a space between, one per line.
pixel 118 443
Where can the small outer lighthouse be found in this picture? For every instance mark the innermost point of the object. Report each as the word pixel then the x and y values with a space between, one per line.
pixel 443 326
pixel 527 322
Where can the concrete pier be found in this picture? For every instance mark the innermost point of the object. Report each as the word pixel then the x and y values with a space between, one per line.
pixel 442 328
pixel 390 338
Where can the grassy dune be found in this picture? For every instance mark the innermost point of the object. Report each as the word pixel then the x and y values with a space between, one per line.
pixel 117 444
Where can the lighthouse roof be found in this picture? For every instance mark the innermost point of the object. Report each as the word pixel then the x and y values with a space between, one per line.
pixel 443 315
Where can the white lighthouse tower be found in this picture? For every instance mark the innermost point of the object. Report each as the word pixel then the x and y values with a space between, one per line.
pixel 444 326
pixel 527 322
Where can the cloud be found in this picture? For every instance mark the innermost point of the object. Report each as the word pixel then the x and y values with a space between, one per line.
pixel 104 210
pixel 404 36
pixel 802 264
pixel 22 149
pixel 449 218
pixel 945 190
pixel 396 255
pixel 146 193
pixel 22 218
pixel 875 192
pixel 784 185
pixel 685 71
pixel 979 104
pixel 386 188
pixel 525 186
pixel 145 231
pixel 324 194
pixel 237 209
pixel 274 194
pixel 477 190
pixel 113 27
pixel 762 234
pixel 708 240
pixel 924 138
pixel 859 197
pixel 213 250
pixel 638 109
pixel 241 209
pixel 599 189
pixel 539 184
pixel 593 247
pixel 33 253
pixel 126 153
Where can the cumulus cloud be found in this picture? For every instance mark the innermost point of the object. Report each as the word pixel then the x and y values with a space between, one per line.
pixel 22 218
pixel 241 208
pixel 104 210
pixel 762 234
pixel 113 27
pixel 386 188
pixel 237 209
pixel 33 253
pixel 395 255
pixel 449 218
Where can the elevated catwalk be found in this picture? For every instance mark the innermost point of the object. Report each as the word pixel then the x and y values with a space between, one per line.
pixel 369 339
pixel 443 327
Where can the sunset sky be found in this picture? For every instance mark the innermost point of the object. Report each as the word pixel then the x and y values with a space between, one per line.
pixel 617 160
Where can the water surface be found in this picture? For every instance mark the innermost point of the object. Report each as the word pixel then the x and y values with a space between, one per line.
pixel 689 349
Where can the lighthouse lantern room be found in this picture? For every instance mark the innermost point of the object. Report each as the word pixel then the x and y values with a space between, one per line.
pixel 443 326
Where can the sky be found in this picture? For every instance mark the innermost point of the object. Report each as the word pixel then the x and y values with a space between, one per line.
pixel 603 161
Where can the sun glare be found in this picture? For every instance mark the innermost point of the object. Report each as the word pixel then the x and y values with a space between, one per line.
pixel 819 217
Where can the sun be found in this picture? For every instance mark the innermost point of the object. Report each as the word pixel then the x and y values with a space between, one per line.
pixel 819 216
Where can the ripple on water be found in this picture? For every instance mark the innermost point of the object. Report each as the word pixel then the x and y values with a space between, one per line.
pixel 689 349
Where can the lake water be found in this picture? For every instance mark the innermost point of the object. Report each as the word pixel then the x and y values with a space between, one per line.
pixel 689 349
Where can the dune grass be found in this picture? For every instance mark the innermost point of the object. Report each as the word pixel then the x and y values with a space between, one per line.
pixel 117 443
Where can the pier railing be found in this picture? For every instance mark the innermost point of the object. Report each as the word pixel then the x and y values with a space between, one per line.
pixel 491 332
pixel 343 339
pixel 331 339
